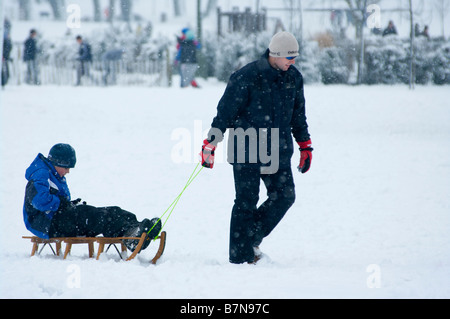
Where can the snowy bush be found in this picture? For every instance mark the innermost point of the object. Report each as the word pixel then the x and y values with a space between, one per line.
pixel 333 66
pixel 209 48
pixel 230 52
pixel 423 60
pixel 307 62
pixel 441 65
pixel 386 62
pixel 136 47
pixel 144 59
pixel 234 50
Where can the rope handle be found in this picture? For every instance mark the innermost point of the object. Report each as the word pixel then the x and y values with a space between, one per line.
pixel 175 201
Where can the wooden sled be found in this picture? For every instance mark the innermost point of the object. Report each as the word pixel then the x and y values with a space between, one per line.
pixel 101 241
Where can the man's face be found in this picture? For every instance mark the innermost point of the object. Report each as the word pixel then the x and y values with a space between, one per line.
pixel 62 171
pixel 281 64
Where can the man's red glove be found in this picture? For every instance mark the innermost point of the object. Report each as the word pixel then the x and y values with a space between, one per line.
pixel 305 156
pixel 207 154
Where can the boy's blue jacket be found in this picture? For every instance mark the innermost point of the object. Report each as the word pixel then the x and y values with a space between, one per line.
pixel 44 189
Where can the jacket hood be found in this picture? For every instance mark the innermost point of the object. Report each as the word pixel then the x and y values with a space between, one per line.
pixel 40 162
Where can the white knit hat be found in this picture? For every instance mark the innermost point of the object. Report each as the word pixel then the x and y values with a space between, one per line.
pixel 283 44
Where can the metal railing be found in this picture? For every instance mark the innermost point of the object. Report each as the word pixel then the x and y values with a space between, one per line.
pixel 54 71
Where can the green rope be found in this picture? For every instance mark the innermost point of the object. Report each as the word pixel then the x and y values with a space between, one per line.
pixel 175 201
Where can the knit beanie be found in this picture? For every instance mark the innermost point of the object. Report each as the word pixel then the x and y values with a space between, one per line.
pixel 283 44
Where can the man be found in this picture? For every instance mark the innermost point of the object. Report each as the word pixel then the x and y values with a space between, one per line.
pixel 7 47
pixel 262 106
pixel 109 61
pixel 84 59
pixel 49 212
pixel 390 29
pixel 29 57
pixel 187 57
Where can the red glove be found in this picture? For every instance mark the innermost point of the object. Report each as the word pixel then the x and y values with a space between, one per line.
pixel 305 156
pixel 207 154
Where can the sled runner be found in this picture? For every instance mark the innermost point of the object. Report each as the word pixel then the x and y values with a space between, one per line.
pixel 101 241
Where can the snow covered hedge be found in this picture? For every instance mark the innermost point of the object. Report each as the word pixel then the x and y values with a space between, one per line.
pixel 441 64
pixel 227 54
pixel 386 59
pixel 233 51
pixel 144 60
pixel 333 66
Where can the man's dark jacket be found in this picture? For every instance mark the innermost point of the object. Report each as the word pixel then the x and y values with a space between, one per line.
pixel 84 52
pixel 30 51
pixel 260 98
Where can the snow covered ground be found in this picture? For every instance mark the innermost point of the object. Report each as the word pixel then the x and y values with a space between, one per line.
pixel 371 218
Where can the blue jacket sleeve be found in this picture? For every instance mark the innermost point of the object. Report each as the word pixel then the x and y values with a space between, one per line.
pixel 44 200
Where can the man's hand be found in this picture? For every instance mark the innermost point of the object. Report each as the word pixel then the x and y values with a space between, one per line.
pixel 305 156
pixel 207 154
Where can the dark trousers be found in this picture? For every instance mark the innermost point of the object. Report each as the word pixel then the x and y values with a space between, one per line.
pixel 249 223
pixel 90 221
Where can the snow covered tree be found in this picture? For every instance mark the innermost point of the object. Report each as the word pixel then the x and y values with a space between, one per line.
pixel 307 62
pixel 234 50
pixel 387 62
pixel 57 8
pixel 177 8
pixel 125 7
pixel 97 10
pixel 441 64
pixel 333 66
pixel 24 9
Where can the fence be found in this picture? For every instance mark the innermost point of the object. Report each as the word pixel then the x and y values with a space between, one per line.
pixel 154 71
pixel 242 21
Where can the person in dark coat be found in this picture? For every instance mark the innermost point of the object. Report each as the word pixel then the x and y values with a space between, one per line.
pixel 7 47
pixel 187 58
pixel 29 57
pixel 49 212
pixel 425 33
pixel 84 59
pixel 263 106
pixel 390 29
pixel 109 60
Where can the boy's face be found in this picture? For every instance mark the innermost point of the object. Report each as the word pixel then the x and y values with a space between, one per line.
pixel 62 171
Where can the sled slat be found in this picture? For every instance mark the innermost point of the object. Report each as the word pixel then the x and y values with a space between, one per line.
pixel 101 241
